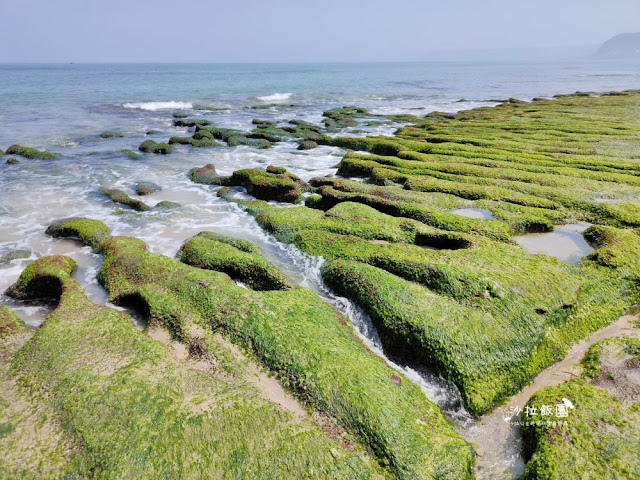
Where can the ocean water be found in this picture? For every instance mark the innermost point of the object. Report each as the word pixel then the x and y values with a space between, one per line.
pixel 64 108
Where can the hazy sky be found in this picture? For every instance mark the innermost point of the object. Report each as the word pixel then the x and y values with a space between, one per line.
pixel 297 31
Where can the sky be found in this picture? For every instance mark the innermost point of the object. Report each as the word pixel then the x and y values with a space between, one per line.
pixel 301 31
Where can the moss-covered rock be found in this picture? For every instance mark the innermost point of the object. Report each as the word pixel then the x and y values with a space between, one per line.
pixel 151 146
pixel 29 152
pixel 237 140
pixel 599 437
pixel 191 122
pixel 283 187
pixel 14 255
pixel 147 188
pixel 131 154
pixel 118 196
pixel 166 205
pixel 206 175
pixel 194 142
pixel 235 258
pixel 307 145
pixel 12 161
pixel 276 170
pixel 89 232
pixel 131 406
pixel 10 323
pixel 380 262
pixel 308 345
pixel 109 134
pixel 221 133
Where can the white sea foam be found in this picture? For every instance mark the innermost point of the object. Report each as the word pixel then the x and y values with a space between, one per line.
pixel 153 106
pixel 276 97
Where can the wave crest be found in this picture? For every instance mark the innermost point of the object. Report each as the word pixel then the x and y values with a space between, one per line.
pixel 276 97
pixel 153 106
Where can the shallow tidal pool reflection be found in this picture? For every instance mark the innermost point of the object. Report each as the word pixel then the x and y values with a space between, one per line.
pixel 566 243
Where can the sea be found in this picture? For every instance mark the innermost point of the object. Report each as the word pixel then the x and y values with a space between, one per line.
pixel 64 108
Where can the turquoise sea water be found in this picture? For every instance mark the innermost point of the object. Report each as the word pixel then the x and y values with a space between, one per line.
pixel 64 108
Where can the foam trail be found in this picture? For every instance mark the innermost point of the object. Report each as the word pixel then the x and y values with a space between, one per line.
pixel 276 97
pixel 154 106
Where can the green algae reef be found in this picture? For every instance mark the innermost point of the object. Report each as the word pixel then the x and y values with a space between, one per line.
pixel 28 152
pixel 273 184
pixel 305 342
pixel 118 196
pixel 453 292
pixel 151 146
pixel 127 406
pixel 239 259
pixel 602 436
pixel 9 322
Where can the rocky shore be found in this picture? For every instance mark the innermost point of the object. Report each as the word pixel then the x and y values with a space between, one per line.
pixel 240 373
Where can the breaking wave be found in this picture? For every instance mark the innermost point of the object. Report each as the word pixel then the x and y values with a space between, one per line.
pixel 153 106
pixel 276 97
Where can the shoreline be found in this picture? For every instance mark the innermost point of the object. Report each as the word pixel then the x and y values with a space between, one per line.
pixel 378 238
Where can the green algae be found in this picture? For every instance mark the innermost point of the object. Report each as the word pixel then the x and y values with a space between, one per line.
pixel 9 322
pixel 307 344
pixel 485 314
pixel 600 439
pixel 132 408
pixel 131 154
pixel 109 134
pixel 151 146
pixel 194 142
pixel 191 122
pixel 272 184
pixel 118 196
pixel 28 152
pixel 233 257
pixel 206 175
pixel 89 232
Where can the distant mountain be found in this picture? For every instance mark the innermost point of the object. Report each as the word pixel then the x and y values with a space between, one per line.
pixel 624 45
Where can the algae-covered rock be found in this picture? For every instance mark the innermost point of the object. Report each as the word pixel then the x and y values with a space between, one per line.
pixel 592 435
pixel 283 187
pixel 166 205
pixel 237 140
pixel 191 122
pixel 239 259
pixel 14 255
pixel 264 134
pixel 129 405
pixel 206 175
pixel 147 188
pixel 131 154
pixel 90 232
pixel 276 170
pixel 12 161
pixel 307 344
pixel 307 145
pixel 194 142
pixel 118 196
pixel 151 146
pixel 380 262
pixel 10 323
pixel 109 134
pixel 263 123
pixel 29 152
